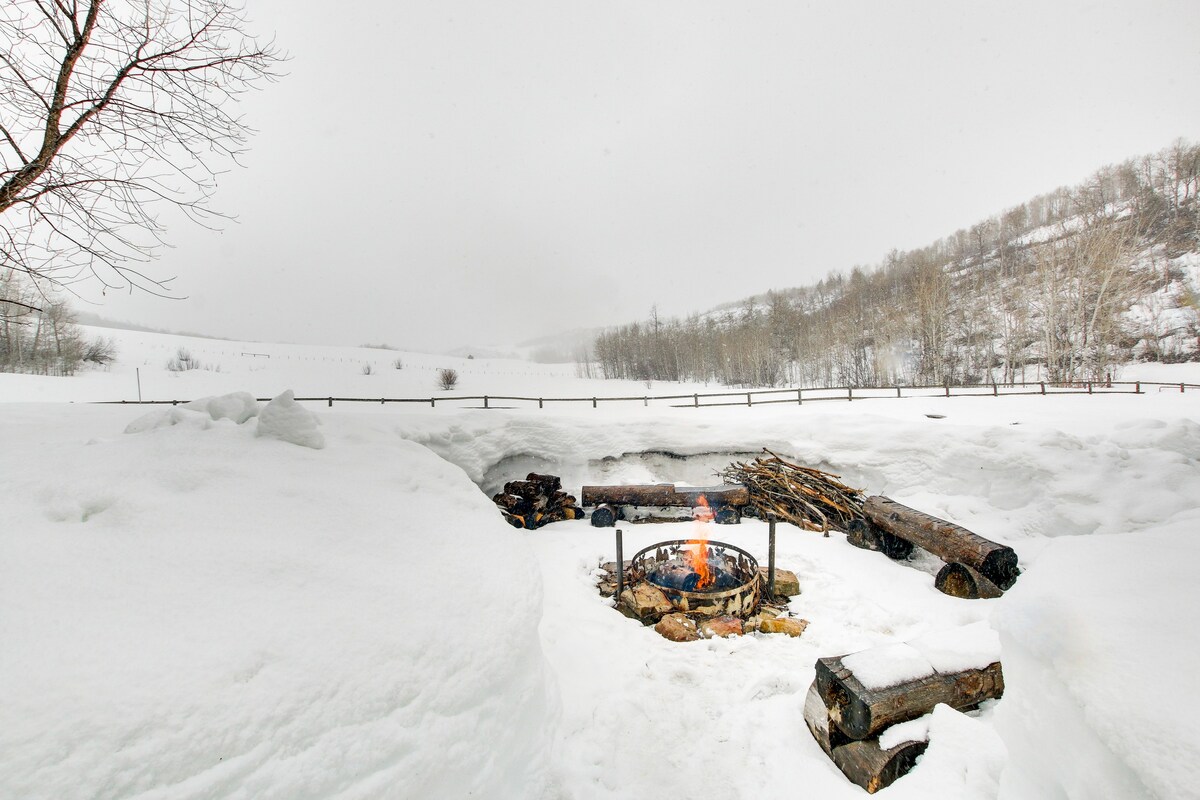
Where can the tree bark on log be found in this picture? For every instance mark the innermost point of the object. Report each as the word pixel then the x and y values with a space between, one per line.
pixel 873 768
pixel 861 712
pixel 864 763
pixel 868 536
pixel 951 542
pixel 665 494
pixel 959 580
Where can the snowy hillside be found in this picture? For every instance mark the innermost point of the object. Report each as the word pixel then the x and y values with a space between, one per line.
pixel 195 606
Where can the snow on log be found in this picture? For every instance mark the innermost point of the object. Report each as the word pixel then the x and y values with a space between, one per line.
pixel 951 542
pixel 959 580
pixel 861 712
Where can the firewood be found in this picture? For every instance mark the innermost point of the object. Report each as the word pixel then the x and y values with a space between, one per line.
pixel 804 496
pixel 959 580
pixel 861 712
pixel 536 501
pixel 951 542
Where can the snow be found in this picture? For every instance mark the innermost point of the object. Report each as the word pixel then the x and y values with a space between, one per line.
pixel 192 610
pixel 888 665
pixel 287 421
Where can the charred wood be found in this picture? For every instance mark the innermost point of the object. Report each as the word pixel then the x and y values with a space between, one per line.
pixel 959 580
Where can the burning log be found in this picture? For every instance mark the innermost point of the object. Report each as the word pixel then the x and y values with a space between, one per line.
pixel 806 497
pixel 959 580
pixel 536 501
pixel 860 712
pixel 951 542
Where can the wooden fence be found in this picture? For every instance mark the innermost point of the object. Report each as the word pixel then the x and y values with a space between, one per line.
pixel 758 397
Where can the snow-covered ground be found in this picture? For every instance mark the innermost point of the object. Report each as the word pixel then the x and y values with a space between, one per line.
pixel 204 608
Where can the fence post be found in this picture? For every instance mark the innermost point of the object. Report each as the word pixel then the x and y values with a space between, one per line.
pixel 748 403
pixel 695 401
pixel 947 389
pixel 594 402
pixel 539 402
pixel 331 402
pixel 433 402
pixel 1181 388
pixel 850 393
pixel 1089 387
pixel 1137 388
pixel 799 397
pixel 897 391
pixel 485 401
pixel 1043 387
pixel 646 402
pixel 995 390
pixel 382 400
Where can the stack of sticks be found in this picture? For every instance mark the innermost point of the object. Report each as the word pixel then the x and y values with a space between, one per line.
pixel 806 497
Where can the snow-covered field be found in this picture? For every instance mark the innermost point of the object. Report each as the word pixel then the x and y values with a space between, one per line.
pixel 204 608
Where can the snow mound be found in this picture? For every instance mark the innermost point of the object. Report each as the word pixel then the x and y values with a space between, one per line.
pixel 1098 658
pixel 217 626
pixel 284 419
pixel 964 760
pixel 237 406
pixel 166 418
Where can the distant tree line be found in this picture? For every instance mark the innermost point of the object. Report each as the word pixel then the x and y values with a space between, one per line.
pixel 38 334
pixel 1042 292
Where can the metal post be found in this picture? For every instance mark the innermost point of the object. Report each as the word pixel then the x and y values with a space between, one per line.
pixel 771 557
pixel 620 566
pixel 139 380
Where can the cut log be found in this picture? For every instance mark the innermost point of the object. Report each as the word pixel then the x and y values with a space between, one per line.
pixel 951 542
pixel 665 494
pixel 816 716
pixel 873 768
pixel 959 580
pixel 864 534
pixel 604 516
pixel 861 712
pixel 865 763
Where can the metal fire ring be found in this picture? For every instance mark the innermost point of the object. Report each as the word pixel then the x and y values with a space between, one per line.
pixel 638 572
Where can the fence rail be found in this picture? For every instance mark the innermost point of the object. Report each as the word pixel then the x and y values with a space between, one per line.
pixel 755 397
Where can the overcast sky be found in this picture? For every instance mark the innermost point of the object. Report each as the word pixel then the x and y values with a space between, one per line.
pixel 445 173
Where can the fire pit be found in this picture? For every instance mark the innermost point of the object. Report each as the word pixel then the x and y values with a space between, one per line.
pixel 700 577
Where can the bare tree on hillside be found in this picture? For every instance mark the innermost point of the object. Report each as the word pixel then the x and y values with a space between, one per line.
pixel 114 110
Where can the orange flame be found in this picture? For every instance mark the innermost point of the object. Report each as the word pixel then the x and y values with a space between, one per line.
pixel 696 555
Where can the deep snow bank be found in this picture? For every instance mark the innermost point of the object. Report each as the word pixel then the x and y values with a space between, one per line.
pixel 1100 659
pixel 191 611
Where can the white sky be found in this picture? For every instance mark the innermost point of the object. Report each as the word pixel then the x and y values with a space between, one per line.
pixel 443 173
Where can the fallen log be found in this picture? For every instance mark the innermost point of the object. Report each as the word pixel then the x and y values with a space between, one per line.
pixel 665 494
pixel 868 536
pixel 861 712
pixel 951 542
pixel 959 580
pixel 864 763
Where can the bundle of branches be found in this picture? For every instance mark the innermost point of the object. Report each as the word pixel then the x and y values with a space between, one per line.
pixel 536 501
pixel 806 497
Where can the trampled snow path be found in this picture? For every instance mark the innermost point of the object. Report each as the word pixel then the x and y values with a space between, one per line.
pixel 194 611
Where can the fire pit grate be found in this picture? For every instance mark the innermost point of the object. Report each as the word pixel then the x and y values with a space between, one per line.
pixel 735 588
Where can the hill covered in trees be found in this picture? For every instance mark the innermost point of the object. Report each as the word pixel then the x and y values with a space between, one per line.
pixel 1069 285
